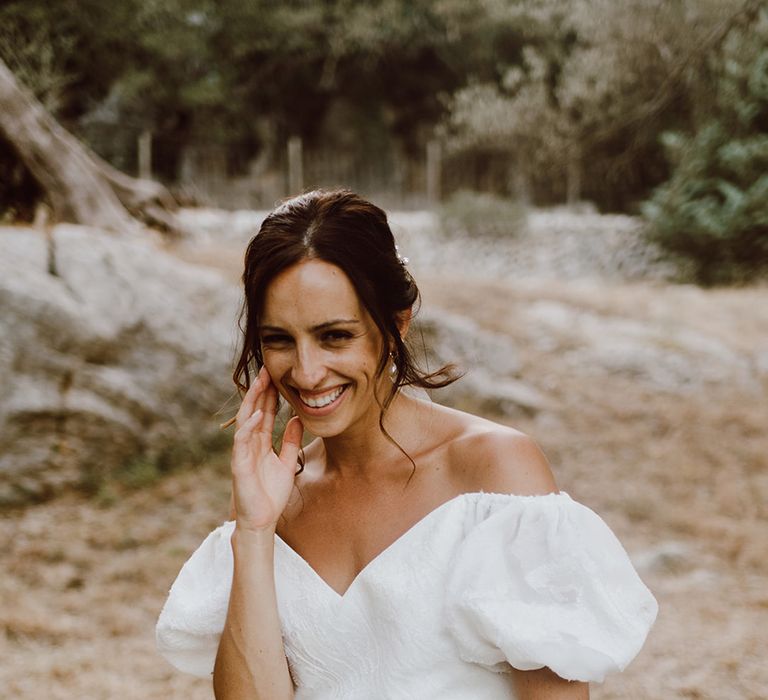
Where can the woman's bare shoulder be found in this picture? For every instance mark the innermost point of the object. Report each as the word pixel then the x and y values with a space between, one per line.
pixel 487 456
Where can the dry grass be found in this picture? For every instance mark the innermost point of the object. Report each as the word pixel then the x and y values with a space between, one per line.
pixel 83 584
pixel 679 474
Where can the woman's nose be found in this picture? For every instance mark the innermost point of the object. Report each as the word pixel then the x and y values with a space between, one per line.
pixel 309 370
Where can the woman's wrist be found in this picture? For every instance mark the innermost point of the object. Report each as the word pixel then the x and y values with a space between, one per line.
pixel 250 537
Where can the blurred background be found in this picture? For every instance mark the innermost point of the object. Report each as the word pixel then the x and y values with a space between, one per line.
pixel 581 188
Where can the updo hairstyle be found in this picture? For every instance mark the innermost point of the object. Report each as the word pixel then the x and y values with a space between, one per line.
pixel 343 229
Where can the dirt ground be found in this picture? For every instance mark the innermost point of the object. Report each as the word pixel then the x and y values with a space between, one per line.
pixel 675 463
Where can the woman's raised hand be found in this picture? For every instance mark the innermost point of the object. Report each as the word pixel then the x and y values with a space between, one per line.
pixel 262 480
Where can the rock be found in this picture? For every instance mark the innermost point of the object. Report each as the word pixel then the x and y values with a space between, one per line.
pixel 506 397
pixel 663 355
pixel 761 361
pixel 217 227
pixel 490 384
pixel 109 348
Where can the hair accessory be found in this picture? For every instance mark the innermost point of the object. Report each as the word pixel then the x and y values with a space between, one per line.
pixel 403 260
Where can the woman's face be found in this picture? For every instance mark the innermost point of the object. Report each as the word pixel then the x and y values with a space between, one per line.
pixel 321 348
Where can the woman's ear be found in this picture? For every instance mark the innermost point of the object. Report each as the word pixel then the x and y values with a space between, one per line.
pixel 403 321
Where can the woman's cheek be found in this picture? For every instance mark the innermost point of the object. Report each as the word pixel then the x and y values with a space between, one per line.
pixel 272 363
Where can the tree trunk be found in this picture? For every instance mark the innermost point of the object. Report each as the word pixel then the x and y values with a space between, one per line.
pixel 80 186
pixel 573 176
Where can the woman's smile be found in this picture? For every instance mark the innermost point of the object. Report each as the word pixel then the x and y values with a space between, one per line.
pixel 322 402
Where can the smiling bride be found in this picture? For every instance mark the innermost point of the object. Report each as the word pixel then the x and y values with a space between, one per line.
pixel 410 550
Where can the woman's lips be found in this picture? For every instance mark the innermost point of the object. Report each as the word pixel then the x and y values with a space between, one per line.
pixel 318 404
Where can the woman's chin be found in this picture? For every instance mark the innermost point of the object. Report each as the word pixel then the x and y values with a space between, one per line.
pixel 324 432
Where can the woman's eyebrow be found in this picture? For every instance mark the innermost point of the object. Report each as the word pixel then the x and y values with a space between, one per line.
pixel 318 327
pixel 335 322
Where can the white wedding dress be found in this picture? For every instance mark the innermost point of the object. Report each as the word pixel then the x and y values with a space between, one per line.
pixel 483 582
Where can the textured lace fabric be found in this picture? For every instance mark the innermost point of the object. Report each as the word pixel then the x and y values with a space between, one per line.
pixel 482 583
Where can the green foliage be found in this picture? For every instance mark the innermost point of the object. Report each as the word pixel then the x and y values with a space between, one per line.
pixel 531 79
pixel 712 215
pixel 139 473
pixel 479 214
pixel 146 469
pixel 579 91
pixel 68 53
pixel 247 75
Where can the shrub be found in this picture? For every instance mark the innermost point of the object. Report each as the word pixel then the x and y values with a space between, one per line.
pixel 712 215
pixel 478 214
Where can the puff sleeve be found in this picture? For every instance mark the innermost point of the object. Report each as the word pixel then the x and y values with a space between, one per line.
pixel 191 621
pixel 543 581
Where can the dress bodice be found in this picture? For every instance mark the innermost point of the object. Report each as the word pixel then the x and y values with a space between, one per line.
pixel 483 582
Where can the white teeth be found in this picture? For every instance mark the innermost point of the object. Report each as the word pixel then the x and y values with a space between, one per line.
pixel 323 400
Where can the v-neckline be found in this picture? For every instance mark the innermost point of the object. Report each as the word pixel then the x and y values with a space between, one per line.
pixel 341 596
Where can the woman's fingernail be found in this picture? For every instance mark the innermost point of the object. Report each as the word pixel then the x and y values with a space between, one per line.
pixel 257 412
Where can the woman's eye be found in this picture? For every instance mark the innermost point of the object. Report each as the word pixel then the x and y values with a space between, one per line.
pixel 336 336
pixel 274 339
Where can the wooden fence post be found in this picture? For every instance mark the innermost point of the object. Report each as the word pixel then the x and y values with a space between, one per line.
pixel 434 171
pixel 145 155
pixel 573 176
pixel 520 181
pixel 295 166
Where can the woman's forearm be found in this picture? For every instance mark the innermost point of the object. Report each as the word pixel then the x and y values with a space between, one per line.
pixel 543 684
pixel 251 663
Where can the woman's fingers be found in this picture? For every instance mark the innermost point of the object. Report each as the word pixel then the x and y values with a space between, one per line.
pixel 267 399
pixel 251 399
pixel 247 404
pixel 269 406
pixel 289 450
pixel 245 432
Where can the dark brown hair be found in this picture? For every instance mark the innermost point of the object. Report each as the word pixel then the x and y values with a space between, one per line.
pixel 343 229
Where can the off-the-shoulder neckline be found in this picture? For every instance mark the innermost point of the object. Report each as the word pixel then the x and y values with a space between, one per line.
pixel 493 494
pixel 471 496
